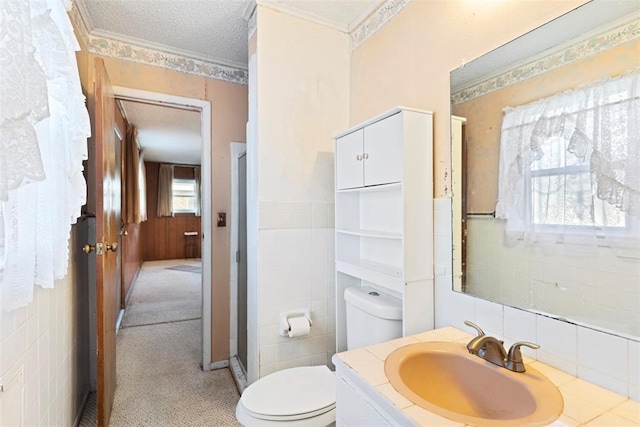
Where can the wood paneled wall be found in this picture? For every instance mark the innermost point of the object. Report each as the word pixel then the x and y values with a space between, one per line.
pixel 164 236
pixel 132 257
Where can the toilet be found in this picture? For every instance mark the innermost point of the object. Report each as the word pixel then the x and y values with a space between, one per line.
pixel 306 395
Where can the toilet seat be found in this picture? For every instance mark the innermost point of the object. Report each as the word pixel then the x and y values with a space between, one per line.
pixel 291 394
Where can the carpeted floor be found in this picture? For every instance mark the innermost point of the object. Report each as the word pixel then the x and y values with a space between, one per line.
pixel 165 292
pixel 160 382
pixel 159 378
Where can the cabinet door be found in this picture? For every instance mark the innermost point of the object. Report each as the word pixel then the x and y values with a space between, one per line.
pixel 349 162
pixel 383 151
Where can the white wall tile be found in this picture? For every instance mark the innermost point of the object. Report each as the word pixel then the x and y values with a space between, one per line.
pixel 634 370
pixel 489 317
pixel 520 325
pixel 558 344
pixel 604 353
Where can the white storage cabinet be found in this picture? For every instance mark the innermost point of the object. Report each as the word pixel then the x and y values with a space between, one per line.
pixel 384 214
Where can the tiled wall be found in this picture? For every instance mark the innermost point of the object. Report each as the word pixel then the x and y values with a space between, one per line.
pixel 599 288
pixel 598 357
pixel 44 361
pixel 295 270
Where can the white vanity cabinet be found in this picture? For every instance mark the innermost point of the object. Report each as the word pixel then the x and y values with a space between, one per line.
pixel 384 214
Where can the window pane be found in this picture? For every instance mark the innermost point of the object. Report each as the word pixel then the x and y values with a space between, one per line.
pixel 568 200
pixel 184 195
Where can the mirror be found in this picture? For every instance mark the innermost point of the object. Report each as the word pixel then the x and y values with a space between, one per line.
pixel 597 41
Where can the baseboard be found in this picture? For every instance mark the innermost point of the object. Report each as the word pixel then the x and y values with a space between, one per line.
pixel 85 399
pixel 220 364
pixel 238 374
pixel 133 284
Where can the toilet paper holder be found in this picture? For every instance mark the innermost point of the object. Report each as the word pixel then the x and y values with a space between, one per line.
pixel 285 316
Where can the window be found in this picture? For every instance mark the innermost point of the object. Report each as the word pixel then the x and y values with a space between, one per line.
pixel 184 196
pixel 563 193
pixel 568 168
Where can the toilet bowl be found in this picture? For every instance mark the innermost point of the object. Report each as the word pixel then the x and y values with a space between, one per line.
pixel 303 396
pixel 306 396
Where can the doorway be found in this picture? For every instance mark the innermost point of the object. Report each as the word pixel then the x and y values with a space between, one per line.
pixel 204 107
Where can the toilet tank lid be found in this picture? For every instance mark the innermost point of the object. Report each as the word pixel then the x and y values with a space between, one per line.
pixel 374 302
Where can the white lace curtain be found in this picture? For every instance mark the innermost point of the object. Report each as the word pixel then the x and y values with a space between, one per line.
pixel 570 167
pixel 165 190
pixel 44 128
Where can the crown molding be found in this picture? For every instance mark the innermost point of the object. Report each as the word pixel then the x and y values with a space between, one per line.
pixel 307 16
pixel 132 41
pixel 360 20
pixel 377 19
pixel 589 45
pixel 249 14
pixel 103 43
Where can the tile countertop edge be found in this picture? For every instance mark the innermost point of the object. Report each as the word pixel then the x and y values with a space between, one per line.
pixel 357 365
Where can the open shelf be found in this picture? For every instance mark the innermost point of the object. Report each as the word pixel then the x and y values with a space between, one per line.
pixel 388 276
pixel 373 188
pixel 372 233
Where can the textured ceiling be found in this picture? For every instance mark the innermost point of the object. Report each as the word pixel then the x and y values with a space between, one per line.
pixel 209 30
pixel 166 134
pixel 212 30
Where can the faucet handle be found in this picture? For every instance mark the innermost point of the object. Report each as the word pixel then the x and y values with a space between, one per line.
pixel 514 358
pixel 474 326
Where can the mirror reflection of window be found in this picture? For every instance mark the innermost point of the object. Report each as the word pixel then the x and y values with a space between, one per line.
pixel 599 285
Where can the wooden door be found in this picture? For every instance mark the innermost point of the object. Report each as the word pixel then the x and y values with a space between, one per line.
pixel 106 188
pixel 383 151
pixel 349 161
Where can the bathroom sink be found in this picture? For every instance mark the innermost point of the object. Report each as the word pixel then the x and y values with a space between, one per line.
pixel 445 379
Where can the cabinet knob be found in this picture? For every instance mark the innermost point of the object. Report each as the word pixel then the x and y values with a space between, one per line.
pixel 365 156
pixel 358 157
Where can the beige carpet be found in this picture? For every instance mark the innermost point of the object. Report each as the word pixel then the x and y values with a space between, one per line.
pixel 163 294
pixel 160 382
pixel 159 378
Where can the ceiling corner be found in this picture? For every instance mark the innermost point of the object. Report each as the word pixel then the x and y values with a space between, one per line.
pixel 84 15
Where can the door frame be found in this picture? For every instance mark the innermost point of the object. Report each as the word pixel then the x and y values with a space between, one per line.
pixel 204 107
pixel 237 150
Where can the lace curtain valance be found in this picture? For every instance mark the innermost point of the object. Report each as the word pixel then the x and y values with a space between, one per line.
pixel 569 166
pixel 44 127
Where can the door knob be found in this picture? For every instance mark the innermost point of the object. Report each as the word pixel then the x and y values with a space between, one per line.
pixel 112 247
pixel 90 248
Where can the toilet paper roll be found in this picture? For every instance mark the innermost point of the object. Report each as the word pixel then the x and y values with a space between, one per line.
pixel 298 326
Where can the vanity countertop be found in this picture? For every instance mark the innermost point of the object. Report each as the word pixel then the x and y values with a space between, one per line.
pixel 585 404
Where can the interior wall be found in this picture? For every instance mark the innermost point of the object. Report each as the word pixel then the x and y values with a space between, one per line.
pixel 131 237
pixel 302 98
pixel 408 61
pixel 228 120
pixel 164 236
pixel 44 350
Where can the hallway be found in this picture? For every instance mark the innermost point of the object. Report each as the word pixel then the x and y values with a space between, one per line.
pixel 159 378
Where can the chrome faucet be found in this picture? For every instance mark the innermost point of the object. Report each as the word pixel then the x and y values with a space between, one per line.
pixel 492 350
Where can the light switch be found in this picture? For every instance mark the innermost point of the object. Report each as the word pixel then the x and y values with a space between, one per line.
pixel 222 219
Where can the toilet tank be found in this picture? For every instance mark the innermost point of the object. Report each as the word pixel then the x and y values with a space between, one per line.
pixel 372 317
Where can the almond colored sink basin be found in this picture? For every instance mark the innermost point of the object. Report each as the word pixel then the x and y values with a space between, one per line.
pixel 445 379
